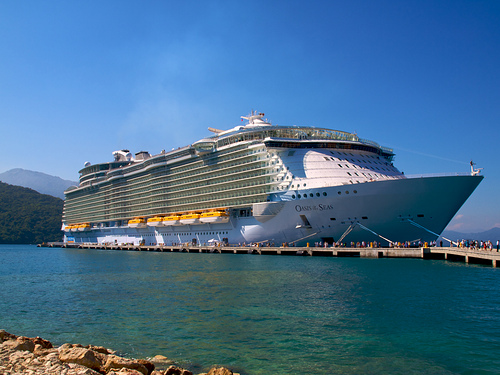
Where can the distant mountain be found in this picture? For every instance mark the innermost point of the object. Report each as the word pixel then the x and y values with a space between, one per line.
pixel 41 182
pixel 28 217
pixel 492 235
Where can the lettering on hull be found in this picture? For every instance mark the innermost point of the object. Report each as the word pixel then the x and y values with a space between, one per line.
pixel 316 207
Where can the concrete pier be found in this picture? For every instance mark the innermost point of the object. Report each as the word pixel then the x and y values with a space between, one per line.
pixel 458 254
pixel 453 254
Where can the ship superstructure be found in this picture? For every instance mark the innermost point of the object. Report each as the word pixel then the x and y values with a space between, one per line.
pixel 260 182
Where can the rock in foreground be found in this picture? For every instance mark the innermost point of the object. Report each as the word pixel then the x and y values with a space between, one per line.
pixel 36 356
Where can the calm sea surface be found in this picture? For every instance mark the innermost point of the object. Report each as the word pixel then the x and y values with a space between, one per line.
pixel 259 314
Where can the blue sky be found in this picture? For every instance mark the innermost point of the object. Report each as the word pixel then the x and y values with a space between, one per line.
pixel 81 79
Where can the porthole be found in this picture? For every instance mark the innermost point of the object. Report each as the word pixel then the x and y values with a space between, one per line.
pixel 347 192
pixel 338 192
pixel 298 196
pixel 324 193
pixel 355 192
pixel 317 194
pixel 311 195
pixel 293 196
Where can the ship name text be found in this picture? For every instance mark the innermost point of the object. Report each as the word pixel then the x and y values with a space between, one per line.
pixel 316 207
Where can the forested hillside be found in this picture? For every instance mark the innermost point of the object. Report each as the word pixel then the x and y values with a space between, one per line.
pixel 28 217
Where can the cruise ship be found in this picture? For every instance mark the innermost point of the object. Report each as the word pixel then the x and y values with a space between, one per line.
pixel 259 183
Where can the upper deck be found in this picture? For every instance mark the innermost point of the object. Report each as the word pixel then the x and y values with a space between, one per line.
pixel 257 130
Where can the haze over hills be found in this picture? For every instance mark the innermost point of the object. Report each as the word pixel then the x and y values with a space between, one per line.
pixel 38 181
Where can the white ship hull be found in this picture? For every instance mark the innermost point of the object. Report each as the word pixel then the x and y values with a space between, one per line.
pixel 412 209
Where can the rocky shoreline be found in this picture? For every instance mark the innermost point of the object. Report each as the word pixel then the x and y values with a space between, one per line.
pixel 36 356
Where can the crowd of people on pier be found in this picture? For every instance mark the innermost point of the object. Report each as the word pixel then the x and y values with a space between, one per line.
pixel 479 245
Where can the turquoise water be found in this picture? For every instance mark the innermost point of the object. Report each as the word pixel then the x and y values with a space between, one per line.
pixel 259 314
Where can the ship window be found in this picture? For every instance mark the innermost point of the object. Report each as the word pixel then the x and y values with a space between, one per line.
pixel 317 194
pixel 420 215
pixel 355 192
pixel 293 196
pixel 311 195
pixel 338 192
pixel 324 193
pixel 298 196
pixel 364 217
pixel 347 192
pixel 340 165
pixel 332 219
